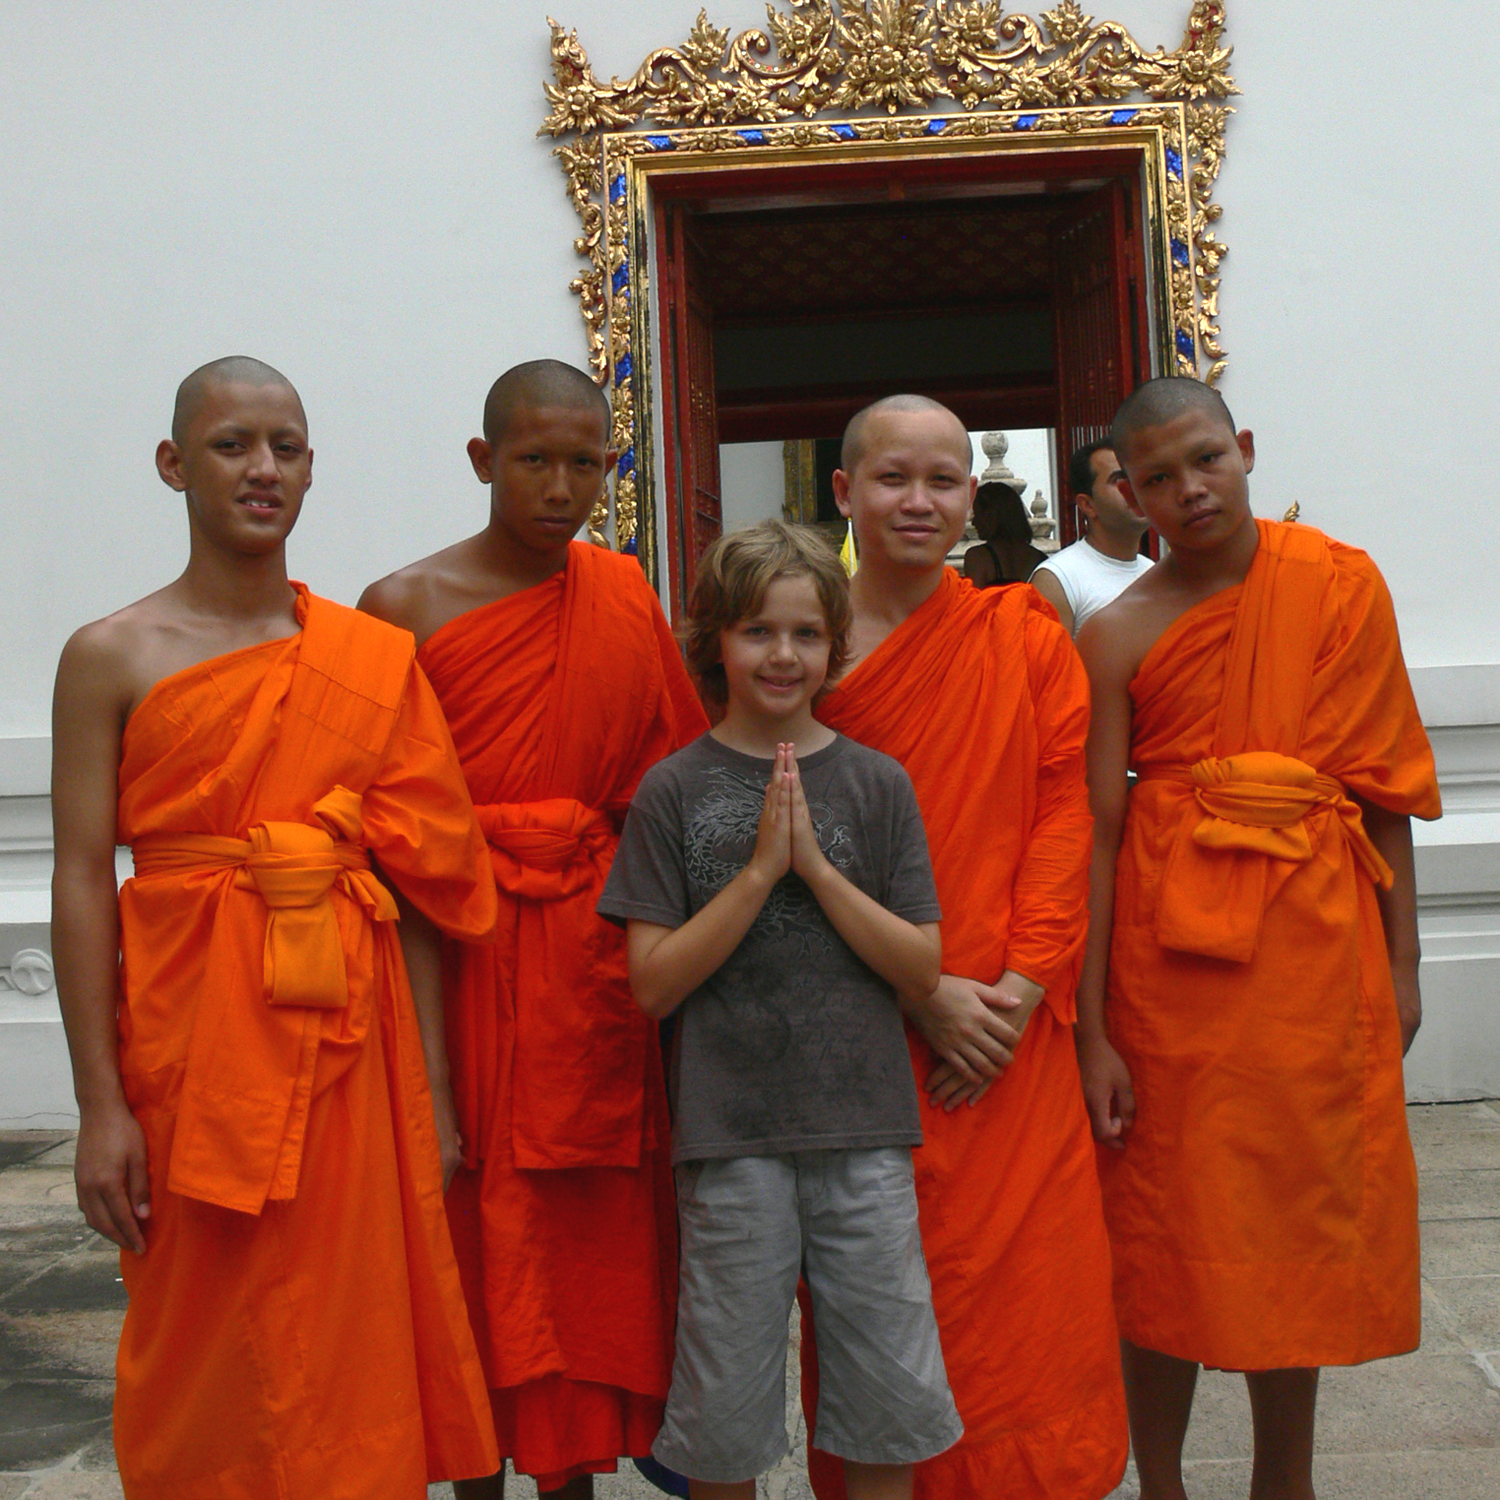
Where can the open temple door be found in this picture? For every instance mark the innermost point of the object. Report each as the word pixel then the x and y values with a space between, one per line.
pixel 1099 305
pixel 690 425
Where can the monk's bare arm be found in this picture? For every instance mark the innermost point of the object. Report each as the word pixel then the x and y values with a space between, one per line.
pixel 88 716
pixel 1049 586
pixel 1391 834
pixel 421 947
pixel 1110 663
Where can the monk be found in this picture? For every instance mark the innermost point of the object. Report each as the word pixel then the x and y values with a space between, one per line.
pixel 980 695
pixel 1251 982
pixel 562 685
pixel 260 1092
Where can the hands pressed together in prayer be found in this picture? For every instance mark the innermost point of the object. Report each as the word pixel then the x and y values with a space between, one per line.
pixel 785 838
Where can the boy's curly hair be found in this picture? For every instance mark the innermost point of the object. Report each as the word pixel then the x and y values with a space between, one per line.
pixel 732 580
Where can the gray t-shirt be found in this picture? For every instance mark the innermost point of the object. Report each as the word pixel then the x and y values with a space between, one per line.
pixel 794 1043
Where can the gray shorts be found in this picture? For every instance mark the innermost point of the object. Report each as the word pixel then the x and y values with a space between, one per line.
pixel 847 1221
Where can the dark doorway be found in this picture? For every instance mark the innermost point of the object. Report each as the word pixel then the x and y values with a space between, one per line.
pixel 788 304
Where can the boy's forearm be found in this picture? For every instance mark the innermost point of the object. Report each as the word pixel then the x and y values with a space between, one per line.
pixel 906 956
pixel 1094 978
pixel 689 954
pixel 86 943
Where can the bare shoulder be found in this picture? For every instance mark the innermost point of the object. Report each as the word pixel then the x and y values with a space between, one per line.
pixel 426 594
pixel 108 661
pixel 1113 642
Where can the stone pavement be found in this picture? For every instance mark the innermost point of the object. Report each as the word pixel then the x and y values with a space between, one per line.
pixel 1425 1427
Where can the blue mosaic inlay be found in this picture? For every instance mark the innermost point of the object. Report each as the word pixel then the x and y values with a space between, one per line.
pixel 660 142
pixel 617 188
pixel 1180 254
pixel 626 463
pixel 621 278
pixel 1185 346
pixel 1027 122
pixel 1174 161
pixel 843 132
pixel 752 137
pixel 936 127
pixel 622 369
pixel 630 549
pixel 1122 116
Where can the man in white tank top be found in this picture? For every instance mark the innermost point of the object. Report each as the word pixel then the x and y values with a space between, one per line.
pixel 1080 580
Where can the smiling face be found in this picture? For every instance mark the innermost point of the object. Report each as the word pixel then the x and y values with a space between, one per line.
pixel 545 470
pixel 776 658
pixel 1190 477
pixel 910 490
pixel 244 464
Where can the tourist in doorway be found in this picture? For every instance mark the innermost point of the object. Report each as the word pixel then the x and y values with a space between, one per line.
pixel 1081 579
pixel 1005 553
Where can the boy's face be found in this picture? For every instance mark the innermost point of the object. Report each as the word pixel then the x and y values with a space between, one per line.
pixel 545 472
pixel 910 492
pixel 776 660
pixel 1190 478
pixel 244 465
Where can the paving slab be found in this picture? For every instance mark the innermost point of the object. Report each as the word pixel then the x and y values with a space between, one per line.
pixel 44 1421
pixel 1461 1247
pixel 18 1146
pixel 1472 1306
pixel 74 1485
pixel 1472 1193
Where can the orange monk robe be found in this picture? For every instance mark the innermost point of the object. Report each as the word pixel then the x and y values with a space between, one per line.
pixel 981 697
pixel 296 1326
pixel 1264 1210
pixel 559 699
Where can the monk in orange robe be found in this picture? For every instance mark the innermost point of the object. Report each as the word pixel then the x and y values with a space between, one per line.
pixel 562 685
pixel 981 697
pixel 1251 982
pixel 257 1128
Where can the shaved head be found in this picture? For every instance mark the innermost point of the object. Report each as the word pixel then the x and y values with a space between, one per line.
pixel 856 434
pixel 233 369
pixel 1163 400
pixel 542 382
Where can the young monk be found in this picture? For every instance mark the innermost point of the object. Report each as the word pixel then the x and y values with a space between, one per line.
pixel 1251 981
pixel 981 697
pixel 256 1126
pixel 562 685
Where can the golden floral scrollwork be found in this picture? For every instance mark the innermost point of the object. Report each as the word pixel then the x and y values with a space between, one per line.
pixel 848 57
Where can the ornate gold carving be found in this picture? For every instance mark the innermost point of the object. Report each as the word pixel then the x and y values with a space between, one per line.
pixel 827 57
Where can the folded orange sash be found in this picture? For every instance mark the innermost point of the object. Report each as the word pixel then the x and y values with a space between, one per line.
pixel 1257 802
pixel 547 850
pixel 247 1078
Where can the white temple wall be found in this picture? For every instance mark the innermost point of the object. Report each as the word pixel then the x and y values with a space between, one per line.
pixel 358 196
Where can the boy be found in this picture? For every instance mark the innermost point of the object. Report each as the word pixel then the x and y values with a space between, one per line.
pixel 782 902
pixel 562 684
pixel 256 1126
pixel 1251 981
pixel 981 697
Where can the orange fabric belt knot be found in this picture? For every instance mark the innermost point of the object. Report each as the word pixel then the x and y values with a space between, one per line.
pixel 293 866
pixel 1259 801
pixel 544 851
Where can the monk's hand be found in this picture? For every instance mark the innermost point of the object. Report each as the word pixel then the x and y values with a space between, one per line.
pixel 109 1171
pixel 445 1117
pixel 965 1023
pixel 773 835
pixel 807 853
pixel 1107 1090
pixel 947 1088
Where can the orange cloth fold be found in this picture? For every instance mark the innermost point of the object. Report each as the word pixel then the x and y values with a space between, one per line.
pixel 1263 1211
pixel 1257 802
pixel 559 698
pixel 981 696
pixel 296 1325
